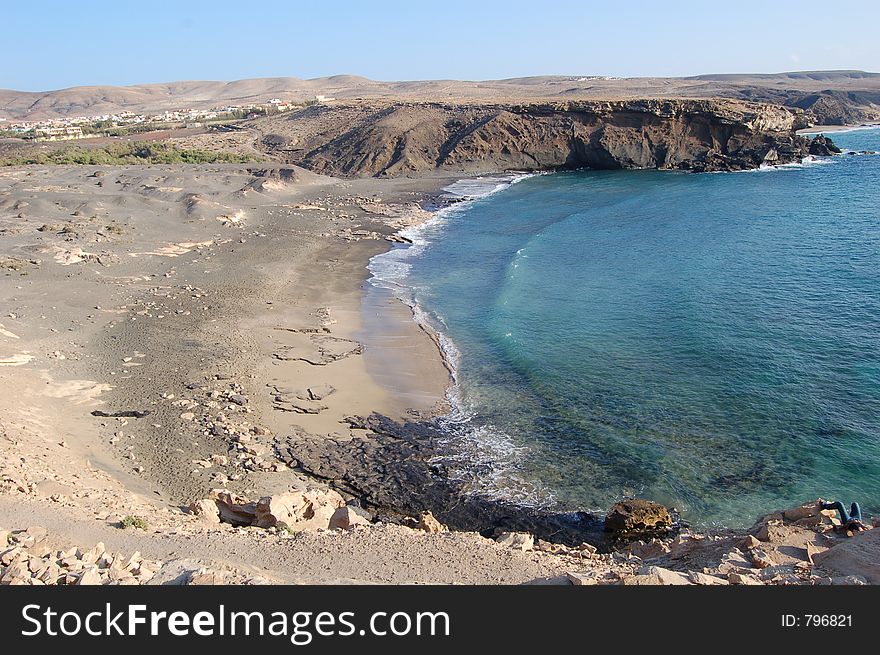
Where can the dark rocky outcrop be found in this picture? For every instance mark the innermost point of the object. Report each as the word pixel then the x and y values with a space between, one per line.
pixel 822 146
pixel 395 473
pixel 638 518
pixel 406 138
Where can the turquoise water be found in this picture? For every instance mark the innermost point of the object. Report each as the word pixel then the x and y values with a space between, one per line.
pixel 709 341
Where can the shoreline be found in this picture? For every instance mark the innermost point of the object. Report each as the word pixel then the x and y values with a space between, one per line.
pixel 457 453
pixel 217 322
pixel 831 129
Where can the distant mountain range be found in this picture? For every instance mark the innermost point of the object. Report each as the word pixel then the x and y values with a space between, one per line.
pixel 834 96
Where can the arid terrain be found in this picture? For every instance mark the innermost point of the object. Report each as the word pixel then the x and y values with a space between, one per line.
pixel 185 370
pixel 836 96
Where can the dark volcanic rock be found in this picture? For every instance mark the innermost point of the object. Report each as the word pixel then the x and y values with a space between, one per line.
pixel 822 146
pixel 395 474
pixel 636 518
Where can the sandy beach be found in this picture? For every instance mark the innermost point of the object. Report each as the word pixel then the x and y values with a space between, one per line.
pixel 182 337
pixel 165 290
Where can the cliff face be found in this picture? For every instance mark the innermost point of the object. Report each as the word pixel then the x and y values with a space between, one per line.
pixel 412 138
pixel 839 108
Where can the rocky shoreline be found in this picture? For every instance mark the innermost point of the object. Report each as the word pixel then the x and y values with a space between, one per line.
pixel 205 371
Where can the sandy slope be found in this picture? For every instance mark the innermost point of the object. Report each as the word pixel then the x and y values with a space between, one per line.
pixel 165 290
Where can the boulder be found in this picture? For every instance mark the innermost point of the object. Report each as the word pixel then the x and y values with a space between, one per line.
pixel 232 508
pixel 822 146
pixel 807 510
pixel 349 516
pixel 748 543
pixel 90 576
pixel 582 579
pixel 206 509
pixel 704 579
pixel 309 509
pixel 761 559
pixel 735 577
pixel 735 560
pixel 665 576
pixel 857 556
pixel 772 531
pixel 638 517
pixel 18 570
pixel 428 523
pixel 518 540
pixel 649 550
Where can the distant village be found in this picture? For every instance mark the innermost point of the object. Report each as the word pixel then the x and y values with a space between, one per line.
pixel 127 122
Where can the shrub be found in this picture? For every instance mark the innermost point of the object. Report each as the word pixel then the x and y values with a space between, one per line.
pixel 127 153
pixel 134 522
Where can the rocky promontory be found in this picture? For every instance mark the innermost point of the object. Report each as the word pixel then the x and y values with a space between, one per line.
pixel 364 139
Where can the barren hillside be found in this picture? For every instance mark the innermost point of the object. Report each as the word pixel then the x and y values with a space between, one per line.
pixel 842 96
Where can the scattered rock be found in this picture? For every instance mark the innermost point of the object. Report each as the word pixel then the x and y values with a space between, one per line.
pixel 649 550
pixel 347 517
pixel 665 576
pixel 641 580
pixel 518 540
pixel 89 576
pixel 735 577
pixel 704 579
pixel 748 543
pixel 582 579
pixel 428 523
pixel 761 559
pixel 311 509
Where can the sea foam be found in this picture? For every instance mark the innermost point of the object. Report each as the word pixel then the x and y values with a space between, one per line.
pixel 481 456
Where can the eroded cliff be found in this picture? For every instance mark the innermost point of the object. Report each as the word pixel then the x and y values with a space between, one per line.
pixel 396 138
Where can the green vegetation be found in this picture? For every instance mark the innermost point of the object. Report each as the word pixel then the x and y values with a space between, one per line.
pixel 126 153
pixel 14 134
pixel 108 128
pixel 134 522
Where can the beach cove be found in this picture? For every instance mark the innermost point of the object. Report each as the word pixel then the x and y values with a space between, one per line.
pixel 217 332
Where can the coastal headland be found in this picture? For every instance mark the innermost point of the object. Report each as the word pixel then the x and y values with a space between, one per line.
pixel 187 371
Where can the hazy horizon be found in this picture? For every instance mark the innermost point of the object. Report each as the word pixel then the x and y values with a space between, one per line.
pixel 399 41
pixel 436 79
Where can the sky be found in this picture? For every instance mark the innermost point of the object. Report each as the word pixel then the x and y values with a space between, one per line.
pixel 53 45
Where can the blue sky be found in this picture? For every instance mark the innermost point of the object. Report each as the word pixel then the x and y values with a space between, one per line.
pixel 50 45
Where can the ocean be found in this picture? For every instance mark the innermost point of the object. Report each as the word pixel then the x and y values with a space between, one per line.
pixel 708 341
